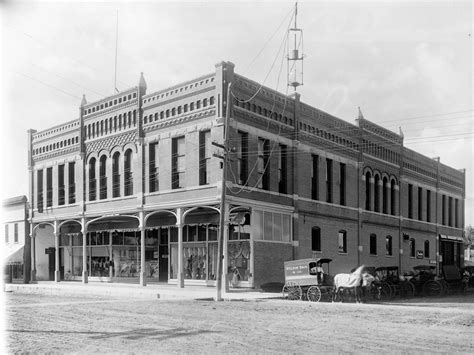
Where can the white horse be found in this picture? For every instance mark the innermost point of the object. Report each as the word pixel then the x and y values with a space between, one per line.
pixel 355 280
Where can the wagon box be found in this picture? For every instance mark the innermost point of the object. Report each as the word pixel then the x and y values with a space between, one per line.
pixel 306 276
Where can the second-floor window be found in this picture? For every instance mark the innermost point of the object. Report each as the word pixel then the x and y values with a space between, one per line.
pixel 49 187
pixel 39 190
pixel 243 158
pixel 92 180
pixel 428 205
pixel 153 167
pixel 15 233
pixel 315 177
pixel 127 173
pixel 410 201
pixel 204 156
pixel 329 180
pixel 61 187
pixel 420 203
pixel 72 182
pixel 178 162
pixel 263 164
pixel 6 234
pixel 282 169
pixel 116 175
pixel 103 177
pixel 342 184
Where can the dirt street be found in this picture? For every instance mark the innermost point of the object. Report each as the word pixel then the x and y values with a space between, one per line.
pixel 41 323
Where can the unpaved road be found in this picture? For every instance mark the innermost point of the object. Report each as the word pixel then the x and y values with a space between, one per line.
pixel 66 324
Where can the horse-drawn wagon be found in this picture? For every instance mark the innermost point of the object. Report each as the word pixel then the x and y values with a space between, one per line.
pixel 308 278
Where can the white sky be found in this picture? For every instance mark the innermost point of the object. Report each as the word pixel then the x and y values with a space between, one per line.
pixel 405 64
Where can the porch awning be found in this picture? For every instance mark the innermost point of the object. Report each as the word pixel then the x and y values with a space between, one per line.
pixel 453 238
pixel 13 253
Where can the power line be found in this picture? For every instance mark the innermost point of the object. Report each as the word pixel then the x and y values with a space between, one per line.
pixel 46 84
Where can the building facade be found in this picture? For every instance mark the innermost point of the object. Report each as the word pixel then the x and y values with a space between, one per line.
pixel 16 248
pixel 131 189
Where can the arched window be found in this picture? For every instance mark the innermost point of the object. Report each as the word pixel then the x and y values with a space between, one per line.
pixel 368 204
pixel 101 128
pixel 127 171
pixel 342 241
pixel 211 100
pixel 103 177
pixel 412 247
pixel 92 180
pixel 376 193
pixel 392 197
pixel 388 245
pixel 427 249
pixel 316 239
pixel 373 244
pixel 116 175
pixel 385 195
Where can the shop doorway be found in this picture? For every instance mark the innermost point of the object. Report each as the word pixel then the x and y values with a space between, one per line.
pixel 450 253
pixel 51 262
pixel 163 260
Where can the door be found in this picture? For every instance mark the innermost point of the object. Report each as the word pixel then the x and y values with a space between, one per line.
pixel 163 263
pixel 51 263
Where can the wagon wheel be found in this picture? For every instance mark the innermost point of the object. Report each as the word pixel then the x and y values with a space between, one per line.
pixel 445 285
pixel 407 289
pixel 314 294
pixel 432 288
pixel 384 291
pixel 292 291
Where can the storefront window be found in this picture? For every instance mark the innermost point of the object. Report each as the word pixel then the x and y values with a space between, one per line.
pixel 239 259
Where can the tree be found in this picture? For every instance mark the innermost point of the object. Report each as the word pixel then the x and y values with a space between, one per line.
pixel 468 237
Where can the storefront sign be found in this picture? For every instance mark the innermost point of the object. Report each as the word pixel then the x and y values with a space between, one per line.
pixel 454 238
pixel 433 262
pixel 419 254
pixel 49 251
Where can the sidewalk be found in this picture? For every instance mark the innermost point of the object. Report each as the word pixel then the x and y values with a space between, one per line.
pixel 151 291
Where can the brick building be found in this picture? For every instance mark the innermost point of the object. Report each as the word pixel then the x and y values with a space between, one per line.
pixel 131 189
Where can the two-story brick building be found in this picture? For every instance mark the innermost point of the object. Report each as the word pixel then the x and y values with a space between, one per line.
pixel 132 188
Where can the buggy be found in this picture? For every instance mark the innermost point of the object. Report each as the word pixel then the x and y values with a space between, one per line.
pixel 391 284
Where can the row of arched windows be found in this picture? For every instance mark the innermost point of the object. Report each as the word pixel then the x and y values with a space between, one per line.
pixel 103 178
pixel 110 125
pixel 386 191
pixel 178 110
pixel 57 145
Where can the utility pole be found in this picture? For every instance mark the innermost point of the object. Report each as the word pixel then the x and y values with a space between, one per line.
pixel 220 242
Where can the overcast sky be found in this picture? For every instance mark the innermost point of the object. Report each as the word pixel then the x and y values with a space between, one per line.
pixel 405 64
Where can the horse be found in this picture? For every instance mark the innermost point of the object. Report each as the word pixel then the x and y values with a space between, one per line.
pixel 356 280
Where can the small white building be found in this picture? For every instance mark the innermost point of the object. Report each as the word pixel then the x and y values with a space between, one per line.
pixel 16 249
